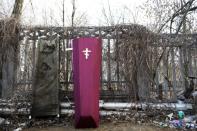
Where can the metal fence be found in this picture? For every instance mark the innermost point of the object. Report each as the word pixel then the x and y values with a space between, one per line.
pixel 183 52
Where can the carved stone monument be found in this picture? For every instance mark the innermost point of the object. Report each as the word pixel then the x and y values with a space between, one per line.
pixel 46 85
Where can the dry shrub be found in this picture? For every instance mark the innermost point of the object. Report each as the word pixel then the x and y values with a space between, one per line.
pixel 9 35
pixel 9 38
pixel 135 58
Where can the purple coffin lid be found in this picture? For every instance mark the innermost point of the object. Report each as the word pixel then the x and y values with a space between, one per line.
pixel 86 65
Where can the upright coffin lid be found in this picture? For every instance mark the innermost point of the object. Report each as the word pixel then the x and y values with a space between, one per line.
pixel 87 65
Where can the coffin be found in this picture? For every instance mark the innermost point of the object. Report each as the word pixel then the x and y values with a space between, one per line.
pixel 87 66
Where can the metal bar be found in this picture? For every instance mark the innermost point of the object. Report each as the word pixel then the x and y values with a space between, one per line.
pixel 173 73
pixel 34 56
pixel 107 107
pixel 67 64
pixel 66 82
pixel 117 62
pixel 181 65
pixel 108 64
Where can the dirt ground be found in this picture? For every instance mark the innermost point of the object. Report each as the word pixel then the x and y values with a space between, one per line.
pixel 105 127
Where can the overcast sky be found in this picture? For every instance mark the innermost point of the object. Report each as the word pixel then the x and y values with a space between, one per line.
pixel 39 12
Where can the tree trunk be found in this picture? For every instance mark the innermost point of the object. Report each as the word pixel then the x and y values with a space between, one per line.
pixel 9 49
pixel 17 10
pixel 143 80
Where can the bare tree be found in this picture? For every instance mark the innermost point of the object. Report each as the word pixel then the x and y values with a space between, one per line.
pixel 172 17
pixel 169 16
